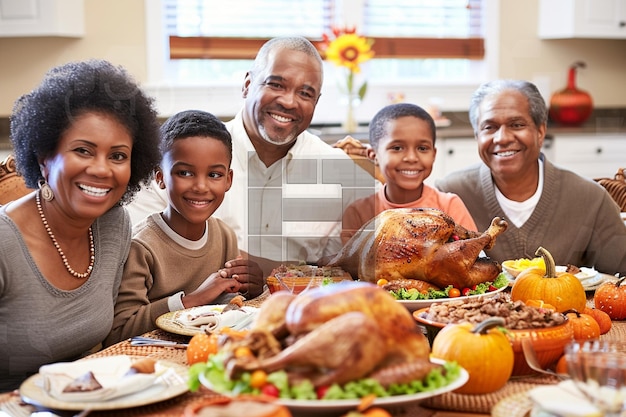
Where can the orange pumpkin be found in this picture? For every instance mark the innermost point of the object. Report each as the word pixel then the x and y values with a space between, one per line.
pixel 200 347
pixel 603 319
pixel 475 348
pixel 610 297
pixel 563 290
pixel 583 325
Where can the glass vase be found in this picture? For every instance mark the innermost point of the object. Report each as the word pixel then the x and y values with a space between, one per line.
pixel 349 124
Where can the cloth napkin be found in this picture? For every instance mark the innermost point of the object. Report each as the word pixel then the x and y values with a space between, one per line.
pixel 562 400
pixel 109 372
pixel 209 319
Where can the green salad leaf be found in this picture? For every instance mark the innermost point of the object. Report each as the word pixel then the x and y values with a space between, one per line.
pixel 213 371
pixel 482 288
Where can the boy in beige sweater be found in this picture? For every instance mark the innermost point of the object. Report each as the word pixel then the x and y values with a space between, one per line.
pixel 179 257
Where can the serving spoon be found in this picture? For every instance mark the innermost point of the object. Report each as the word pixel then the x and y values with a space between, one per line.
pixel 531 358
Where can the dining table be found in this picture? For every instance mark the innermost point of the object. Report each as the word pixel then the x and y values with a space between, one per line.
pixel 510 401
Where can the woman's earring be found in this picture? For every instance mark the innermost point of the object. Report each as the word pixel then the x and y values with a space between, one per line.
pixel 46 192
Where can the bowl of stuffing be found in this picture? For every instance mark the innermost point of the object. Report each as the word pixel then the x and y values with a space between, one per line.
pixel 548 330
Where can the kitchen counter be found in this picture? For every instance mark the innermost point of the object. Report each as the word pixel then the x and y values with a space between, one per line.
pixel 602 121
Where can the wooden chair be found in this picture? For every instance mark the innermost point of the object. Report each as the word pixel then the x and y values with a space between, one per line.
pixel 616 187
pixel 12 185
pixel 358 152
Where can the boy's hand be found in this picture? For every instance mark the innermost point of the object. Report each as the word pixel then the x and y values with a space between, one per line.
pixel 248 273
pixel 210 289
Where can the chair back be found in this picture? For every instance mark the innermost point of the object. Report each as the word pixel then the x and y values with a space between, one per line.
pixel 12 185
pixel 616 187
pixel 358 153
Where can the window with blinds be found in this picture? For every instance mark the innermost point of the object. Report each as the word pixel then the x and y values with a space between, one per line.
pixel 413 39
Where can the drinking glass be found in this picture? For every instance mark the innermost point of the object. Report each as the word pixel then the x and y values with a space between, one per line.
pixel 598 369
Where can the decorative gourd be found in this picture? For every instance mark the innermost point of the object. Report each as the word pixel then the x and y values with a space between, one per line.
pixel 583 325
pixel 603 319
pixel 610 297
pixel 563 290
pixel 561 366
pixel 476 348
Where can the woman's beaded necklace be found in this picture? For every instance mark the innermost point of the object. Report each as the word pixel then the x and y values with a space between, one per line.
pixel 92 251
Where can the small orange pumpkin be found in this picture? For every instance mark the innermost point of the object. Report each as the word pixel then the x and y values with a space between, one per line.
pixel 564 291
pixel 583 325
pixel 539 304
pixel 603 319
pixel 200 347
pixel 561 366
pixel 610 297
pixel 474 348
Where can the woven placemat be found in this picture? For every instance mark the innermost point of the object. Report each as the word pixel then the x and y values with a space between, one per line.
pixel 171 354
pixel 517 405
pixel 484 403
pixel 256 302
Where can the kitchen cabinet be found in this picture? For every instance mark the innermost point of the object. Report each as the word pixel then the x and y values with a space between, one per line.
pixel 452 155
pixel 562 19
pixel 24 18
pixel 592 155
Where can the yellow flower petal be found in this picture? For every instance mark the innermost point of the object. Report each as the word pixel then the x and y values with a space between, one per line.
pixel 349 50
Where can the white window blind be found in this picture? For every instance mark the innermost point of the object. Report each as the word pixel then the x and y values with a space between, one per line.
pixel 312 18
pixel 248 18
pixel 218 40
pixel 422 18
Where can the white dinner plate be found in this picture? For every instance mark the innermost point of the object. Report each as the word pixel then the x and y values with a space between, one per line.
pixel 324 407
pixel 32 392
pixel 584 274
pixel 169 323
pixel 588 277
pixel 593 283
pixel 413 305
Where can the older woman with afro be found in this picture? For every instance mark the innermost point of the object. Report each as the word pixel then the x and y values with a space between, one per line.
pixel 85 139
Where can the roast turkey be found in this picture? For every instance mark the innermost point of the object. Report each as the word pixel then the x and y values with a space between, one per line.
pixel 335 334
pixel 420 244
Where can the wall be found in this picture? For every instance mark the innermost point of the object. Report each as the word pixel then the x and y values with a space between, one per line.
pixel 523 55
pixel 115 30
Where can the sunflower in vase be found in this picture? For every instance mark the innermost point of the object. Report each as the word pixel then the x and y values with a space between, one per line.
pixel 348 50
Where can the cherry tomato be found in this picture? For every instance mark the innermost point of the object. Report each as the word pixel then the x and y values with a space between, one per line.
pixel 270 390
pixel 242 352
pixel 376 412
pixel 492 288
pixel 382 282
pixel 321 391
pixel 466 291
pixel 258 379
pixel 454 292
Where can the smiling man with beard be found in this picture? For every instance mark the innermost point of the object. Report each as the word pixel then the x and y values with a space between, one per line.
pixel 571 216
pixel 286 199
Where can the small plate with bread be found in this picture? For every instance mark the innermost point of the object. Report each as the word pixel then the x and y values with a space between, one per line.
pixel 104 383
